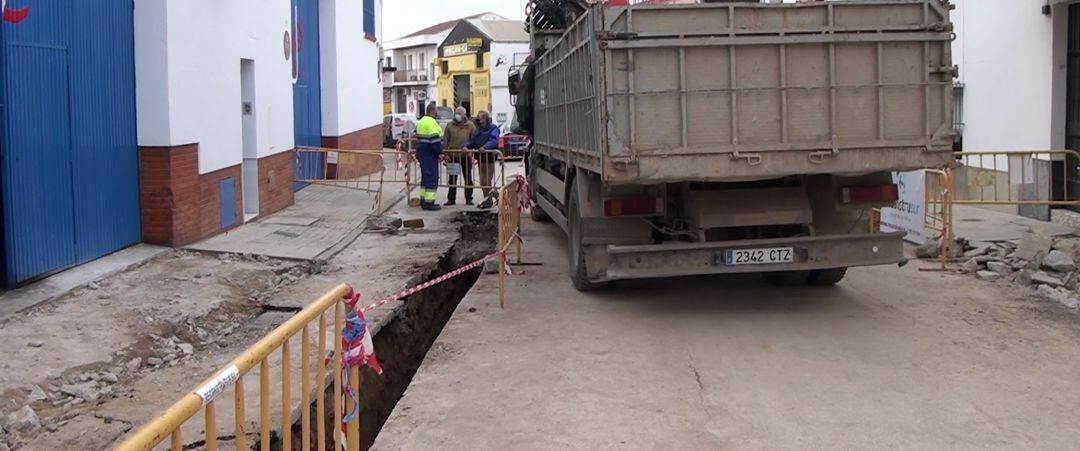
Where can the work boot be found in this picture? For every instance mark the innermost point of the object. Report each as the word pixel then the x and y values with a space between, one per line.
pixel 469 202
pixel 431 207
pixel 450 203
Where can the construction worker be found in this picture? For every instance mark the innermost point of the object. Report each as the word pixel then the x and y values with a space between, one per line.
pixel 429 151
pixel 486 138
pixel 457 136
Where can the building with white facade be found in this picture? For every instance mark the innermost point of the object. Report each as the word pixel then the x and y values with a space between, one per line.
pixel 473 66
pixel 413 56
pixel 1014 63
pixel 225 91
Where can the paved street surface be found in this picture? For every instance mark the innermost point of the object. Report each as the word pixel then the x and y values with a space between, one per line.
pixel 891 358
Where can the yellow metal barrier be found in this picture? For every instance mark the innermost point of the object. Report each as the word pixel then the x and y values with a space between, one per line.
pixel 370 183
pixel 509 230
pixel 940 189
pixel 1017 177
pixel 473 159
pixel 169 423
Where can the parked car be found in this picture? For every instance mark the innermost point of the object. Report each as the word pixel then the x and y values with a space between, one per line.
pixel 397 126
pixel 513 145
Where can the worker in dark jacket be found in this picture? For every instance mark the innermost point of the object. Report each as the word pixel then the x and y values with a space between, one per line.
pixel 486 138
pixel 429 151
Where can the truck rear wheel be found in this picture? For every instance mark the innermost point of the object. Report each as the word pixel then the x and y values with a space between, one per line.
pixel 538 214
pixel 827 277
pixel 579 272
pixel 787 278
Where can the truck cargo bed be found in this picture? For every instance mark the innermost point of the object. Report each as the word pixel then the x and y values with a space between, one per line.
pixel 748 91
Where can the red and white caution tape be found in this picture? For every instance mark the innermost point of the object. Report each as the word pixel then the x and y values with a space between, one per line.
pixel 524 194
pixel 432 282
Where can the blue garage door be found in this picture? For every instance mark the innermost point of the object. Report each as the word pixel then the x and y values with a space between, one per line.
pixel 307 104
pixel 70 169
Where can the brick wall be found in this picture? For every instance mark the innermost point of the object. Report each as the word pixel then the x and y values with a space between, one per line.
pixel 178 205
pixel 355 166
pixel 275 182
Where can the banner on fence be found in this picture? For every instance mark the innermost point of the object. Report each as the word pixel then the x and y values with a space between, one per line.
pixel 909 213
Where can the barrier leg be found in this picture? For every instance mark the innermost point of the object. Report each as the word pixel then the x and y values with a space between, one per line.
pixel 353 428
pixel 238 401
pixel 211 427
pixel 339 315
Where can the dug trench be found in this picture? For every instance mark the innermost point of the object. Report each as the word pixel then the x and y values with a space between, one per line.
pixel 404 342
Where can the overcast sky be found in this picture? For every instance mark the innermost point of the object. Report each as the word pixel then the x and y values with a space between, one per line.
pixel 401 17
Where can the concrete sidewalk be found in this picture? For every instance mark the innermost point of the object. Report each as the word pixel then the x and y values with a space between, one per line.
pixel 982 226
pixel 322 222
pixel 52 287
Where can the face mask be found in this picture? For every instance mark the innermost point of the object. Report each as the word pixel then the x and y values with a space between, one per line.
pixel 459 118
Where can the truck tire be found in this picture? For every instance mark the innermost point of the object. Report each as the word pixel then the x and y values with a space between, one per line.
pixel 539 215
pixel 787 278
pixel 579 273
pixel 827 277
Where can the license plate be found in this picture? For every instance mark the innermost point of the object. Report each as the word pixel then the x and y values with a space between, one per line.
pixel 735 257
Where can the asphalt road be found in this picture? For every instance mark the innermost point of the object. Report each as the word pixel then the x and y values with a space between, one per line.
pixel 891 358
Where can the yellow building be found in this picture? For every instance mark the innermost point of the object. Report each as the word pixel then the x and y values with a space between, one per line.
pixel 473 62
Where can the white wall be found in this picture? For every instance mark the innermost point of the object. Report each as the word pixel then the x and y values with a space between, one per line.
pixel 349 62
pixel 422 58
pixel 512 54
pixel 1006 56
pixel 152 73
pixel 187 62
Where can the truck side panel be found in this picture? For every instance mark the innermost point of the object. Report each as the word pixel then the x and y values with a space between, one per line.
pixel 728 92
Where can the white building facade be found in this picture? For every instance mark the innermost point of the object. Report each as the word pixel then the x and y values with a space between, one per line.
pixel 1014 64
pixel 414 82
pixel 225 91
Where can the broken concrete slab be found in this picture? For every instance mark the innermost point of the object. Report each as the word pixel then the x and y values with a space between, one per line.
pixel 23 420
pixel 988 275
pixel 1059 261
pixel 1042 278
pixel 1032 246
pixel 1000 268
pixel 972 266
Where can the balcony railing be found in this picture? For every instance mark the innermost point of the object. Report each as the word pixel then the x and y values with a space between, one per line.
pixel 413 76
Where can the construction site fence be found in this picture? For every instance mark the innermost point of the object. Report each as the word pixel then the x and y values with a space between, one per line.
pixel 316 331
pixel 401 166
pixel 1035 179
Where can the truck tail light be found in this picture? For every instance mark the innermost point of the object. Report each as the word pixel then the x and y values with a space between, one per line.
pixel 882 194
pixel 502 143
pixel 633 206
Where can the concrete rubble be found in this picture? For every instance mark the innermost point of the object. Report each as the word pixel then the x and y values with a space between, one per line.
pixel 1046 265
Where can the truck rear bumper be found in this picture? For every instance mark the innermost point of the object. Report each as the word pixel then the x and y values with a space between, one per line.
pixel 819 252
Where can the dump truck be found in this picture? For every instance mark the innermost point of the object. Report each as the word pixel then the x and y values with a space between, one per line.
pixel 731 136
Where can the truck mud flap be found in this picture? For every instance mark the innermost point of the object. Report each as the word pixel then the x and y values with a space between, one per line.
pixel 810 253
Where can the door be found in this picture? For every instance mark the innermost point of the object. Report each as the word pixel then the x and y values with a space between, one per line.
pixel 1072 101
pixel 463 93
pixel 70 166
pixel 307 105
pixel 37 169
pixel 250 180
